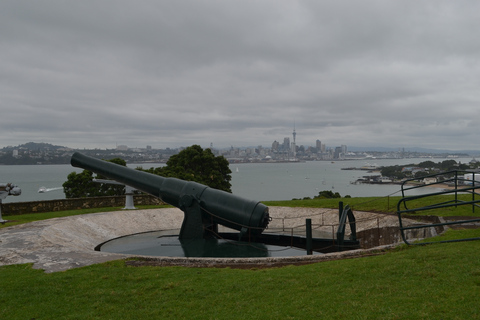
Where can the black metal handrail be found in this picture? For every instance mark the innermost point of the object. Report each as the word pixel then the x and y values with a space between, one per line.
pixel 460 185
pixel 346 212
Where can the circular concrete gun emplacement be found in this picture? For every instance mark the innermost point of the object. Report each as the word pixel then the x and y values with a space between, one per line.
pixel 64 243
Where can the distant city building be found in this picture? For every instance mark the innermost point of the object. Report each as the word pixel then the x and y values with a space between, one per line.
pixel 40 153
pixel 294 144
pixel 260 151
pixel 286 144
pixel 337 153
pixel 275 145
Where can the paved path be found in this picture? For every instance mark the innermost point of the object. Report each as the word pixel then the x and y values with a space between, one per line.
pixel 63 243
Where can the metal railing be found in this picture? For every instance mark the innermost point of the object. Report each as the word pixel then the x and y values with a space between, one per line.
pixel 344 214
pixel 458 183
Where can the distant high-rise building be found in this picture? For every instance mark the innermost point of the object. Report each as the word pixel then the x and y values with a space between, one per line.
pixel 275 145
pixel 320 146
pixel 294 134
pixel 294 144
pixel 337 153
pixel 286 143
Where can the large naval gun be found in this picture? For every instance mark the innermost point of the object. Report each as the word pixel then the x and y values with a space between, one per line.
pixel 204 207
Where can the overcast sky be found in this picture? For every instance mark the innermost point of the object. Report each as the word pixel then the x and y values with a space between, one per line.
pixel 97 74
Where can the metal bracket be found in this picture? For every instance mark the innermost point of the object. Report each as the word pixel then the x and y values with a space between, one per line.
pixel 195 225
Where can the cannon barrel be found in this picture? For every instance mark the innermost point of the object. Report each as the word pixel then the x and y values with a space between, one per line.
pixel 215 206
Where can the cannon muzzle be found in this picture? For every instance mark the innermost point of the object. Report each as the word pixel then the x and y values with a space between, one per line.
pixel 204 207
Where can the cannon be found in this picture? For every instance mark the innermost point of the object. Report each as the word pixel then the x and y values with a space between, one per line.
pixel 204 207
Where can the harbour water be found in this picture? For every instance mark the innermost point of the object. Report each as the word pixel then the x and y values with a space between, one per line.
pixel 256 181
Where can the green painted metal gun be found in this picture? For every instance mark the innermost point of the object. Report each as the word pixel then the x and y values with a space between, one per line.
pixel 204 207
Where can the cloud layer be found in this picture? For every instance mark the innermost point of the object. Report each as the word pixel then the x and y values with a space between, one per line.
pixel 174 73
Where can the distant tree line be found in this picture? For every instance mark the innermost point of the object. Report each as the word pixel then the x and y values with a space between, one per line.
pixel 428 167
pixel 325 194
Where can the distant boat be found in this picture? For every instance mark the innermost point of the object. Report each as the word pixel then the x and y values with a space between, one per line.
pixel 236 169
pixel 44 189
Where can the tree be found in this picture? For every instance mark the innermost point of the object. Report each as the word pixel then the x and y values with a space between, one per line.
pixel 448 165
pixel 196 164
pixel 327 194
pixel 394 172
pixel 81 185
pixel 427 164
pixel 420 174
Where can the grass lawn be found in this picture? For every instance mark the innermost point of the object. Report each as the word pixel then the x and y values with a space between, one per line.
pixel 386 204
pixel 439 281
pixel 423 282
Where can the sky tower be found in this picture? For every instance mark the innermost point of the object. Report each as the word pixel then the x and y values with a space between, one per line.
pixel 294 145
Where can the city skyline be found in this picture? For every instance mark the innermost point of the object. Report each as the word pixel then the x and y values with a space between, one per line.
pixel 32 153
pixel 322 148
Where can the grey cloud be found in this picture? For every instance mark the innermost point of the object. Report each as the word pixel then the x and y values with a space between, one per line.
pixel 96 73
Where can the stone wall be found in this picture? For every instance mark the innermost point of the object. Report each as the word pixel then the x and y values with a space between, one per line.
pixel 16 208
pixel 375 237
